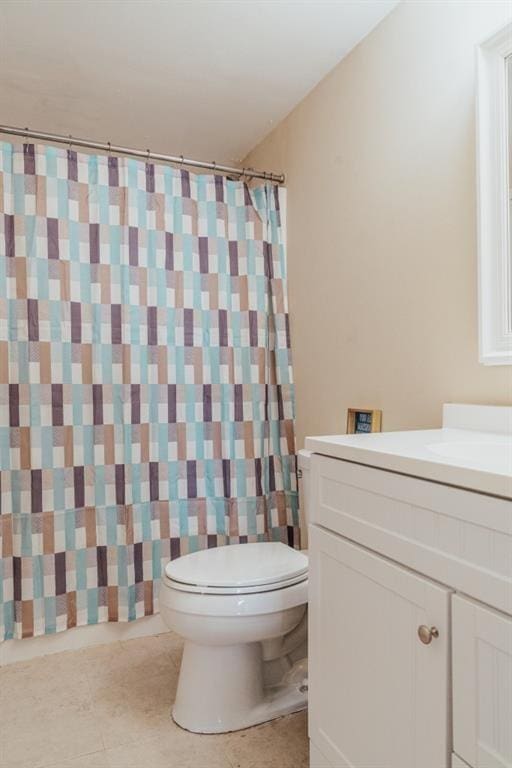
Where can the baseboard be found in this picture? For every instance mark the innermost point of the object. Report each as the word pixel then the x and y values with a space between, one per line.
pixel 80 637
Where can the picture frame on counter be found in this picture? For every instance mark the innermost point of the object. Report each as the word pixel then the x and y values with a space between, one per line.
pixel 363 421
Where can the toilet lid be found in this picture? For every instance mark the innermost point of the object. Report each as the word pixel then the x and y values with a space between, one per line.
pixel 239 565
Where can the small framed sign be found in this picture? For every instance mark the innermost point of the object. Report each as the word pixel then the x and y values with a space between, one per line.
pixel 360 421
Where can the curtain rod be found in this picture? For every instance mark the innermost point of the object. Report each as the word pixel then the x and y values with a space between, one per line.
pixel 145 154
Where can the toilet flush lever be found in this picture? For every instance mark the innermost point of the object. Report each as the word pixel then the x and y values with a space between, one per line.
pixel 427 634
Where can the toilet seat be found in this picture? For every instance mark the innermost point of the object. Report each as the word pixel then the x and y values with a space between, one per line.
pixel 194 588
pixel 226 604
pixel 238 569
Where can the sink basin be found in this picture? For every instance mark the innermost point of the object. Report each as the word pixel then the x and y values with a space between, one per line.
pixel 492 452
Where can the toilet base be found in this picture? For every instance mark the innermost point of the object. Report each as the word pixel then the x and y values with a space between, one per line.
pixel 221 689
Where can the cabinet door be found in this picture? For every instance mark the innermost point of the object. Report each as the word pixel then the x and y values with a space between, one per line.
pixel 482 685
pixel 378 695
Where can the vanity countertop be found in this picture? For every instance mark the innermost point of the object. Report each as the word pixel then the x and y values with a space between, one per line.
pixel 468 458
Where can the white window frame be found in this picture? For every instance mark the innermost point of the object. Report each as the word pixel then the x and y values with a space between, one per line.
pixel 494 273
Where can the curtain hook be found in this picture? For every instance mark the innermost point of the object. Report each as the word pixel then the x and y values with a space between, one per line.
pixel 70 140
pixel 148 153
pixel 109 147
pixel 214 166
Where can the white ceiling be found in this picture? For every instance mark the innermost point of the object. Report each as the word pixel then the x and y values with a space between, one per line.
pixel 204 78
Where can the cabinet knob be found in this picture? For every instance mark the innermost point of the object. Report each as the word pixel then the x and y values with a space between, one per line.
pixel 426 634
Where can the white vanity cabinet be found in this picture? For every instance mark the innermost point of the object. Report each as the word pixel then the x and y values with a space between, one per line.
pixel 410 621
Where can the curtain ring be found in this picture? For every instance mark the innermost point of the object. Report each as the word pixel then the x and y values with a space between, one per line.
pixel 70 140
pixel 214 166
pixel 109 147
pixel 148 153
pixel 182 160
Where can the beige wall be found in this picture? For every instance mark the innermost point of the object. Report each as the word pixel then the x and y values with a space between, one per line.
pixel 380 164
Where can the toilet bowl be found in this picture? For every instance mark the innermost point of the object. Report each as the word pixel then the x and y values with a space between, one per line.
pixel 242 612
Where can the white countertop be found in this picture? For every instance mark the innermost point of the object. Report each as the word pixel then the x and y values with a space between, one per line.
pixel 480 461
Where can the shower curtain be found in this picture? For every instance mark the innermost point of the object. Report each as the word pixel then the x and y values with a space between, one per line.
pixel 146 395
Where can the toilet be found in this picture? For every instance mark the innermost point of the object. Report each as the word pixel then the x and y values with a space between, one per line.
pixel 242 612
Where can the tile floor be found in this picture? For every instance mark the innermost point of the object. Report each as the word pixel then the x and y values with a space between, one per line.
pixel 109 707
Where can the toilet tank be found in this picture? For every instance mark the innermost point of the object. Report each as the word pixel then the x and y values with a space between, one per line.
pixel 304 461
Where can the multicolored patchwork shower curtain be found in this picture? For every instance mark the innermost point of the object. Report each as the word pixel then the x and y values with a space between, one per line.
pixel 146 396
